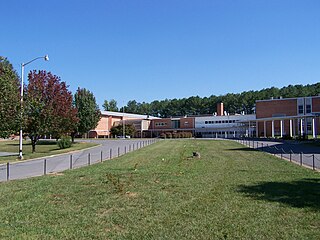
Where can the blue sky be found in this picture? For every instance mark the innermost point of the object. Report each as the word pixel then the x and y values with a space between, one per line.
pixel 147 50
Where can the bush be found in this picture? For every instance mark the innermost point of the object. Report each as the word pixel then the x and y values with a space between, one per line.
pixel 287 137
pixel 168 135
pixel 64 142
pixel 163 135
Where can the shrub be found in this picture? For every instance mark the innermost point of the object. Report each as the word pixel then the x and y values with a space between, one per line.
pixel 287 137
pixel 169 135
pixel 163 135
pixel 64 142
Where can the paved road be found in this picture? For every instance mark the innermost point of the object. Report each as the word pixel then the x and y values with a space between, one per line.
pixel 107 150
pixel 304 154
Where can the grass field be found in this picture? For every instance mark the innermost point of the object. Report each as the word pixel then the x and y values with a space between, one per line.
pixel 162 192
pixel 43 148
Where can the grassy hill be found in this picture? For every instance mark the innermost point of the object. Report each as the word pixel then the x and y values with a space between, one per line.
pixel 162 192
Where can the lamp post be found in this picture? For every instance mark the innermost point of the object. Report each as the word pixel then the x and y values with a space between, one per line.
pixel 46 58
pixel 123 124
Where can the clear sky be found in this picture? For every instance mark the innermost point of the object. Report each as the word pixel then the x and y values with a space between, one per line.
pixel 147 50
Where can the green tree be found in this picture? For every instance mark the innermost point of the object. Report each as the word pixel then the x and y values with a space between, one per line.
pixel 48 107
pixel 110 105
pixel 233 103
pixel 118 130
pixel 9 99
pixel 132 107
pixel 88 111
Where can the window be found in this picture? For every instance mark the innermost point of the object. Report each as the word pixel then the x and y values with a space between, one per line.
pixel 308 108
pixel 161 124
pixel 206 122
pixel 175 123
pixel 300 104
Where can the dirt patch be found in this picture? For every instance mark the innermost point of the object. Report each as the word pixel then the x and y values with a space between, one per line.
pixel 131 194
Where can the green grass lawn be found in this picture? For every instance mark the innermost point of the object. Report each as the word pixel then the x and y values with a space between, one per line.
pixel 161 192
pixel 43 148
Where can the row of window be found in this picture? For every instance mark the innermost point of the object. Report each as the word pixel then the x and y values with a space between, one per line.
pixel 308 109
pixel 220 132
pixel 223 121
pixel 161 124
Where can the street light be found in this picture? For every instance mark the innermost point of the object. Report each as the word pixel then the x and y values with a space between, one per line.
pixel 46 58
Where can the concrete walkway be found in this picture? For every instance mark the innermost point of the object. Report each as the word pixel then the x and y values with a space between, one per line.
pixel 107 149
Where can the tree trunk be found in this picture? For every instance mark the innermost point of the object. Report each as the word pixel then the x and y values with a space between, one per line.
pixel 72 136
pixel 34 140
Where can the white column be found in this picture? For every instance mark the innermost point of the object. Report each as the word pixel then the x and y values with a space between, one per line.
pixel 272 128
pixel 314 128
pixel 290 126
pixel 234 134
pixel 264 129
pixel 281 128
pixel 301 127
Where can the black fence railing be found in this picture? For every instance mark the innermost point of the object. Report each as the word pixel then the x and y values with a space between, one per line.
pixel 32 168
pixel 303 159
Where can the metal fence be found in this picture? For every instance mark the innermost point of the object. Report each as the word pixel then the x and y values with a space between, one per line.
pixel 43 166
pixel 303 159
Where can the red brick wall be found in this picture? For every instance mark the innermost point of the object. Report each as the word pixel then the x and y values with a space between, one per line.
pixel 187 123
pixel 265 109
pixel 316 104
pixel 166 121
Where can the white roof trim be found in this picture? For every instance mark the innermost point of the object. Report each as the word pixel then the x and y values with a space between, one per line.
pixel 127 115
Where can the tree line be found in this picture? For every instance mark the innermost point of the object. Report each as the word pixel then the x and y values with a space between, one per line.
pixel 233 102
pixel 48 108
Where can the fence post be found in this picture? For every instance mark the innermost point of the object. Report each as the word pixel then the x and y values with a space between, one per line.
pixel 101 156
pixel 45 166
pixel 313 166
pixel 71 161
pixel 290 157
pixel 8 171
pixel 110 153
pixel 301 159
pixel 118 151
pixel 88 159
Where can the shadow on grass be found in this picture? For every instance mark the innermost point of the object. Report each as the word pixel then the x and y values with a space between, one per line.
pixel 304 193
pixel 247 149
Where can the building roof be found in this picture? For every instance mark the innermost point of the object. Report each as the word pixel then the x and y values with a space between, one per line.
pixel 284 99
pixel 127 115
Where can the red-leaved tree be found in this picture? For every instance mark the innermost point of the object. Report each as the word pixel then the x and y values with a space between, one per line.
pixel 48 108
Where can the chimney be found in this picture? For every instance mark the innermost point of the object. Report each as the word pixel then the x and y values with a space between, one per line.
pixel 220 109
